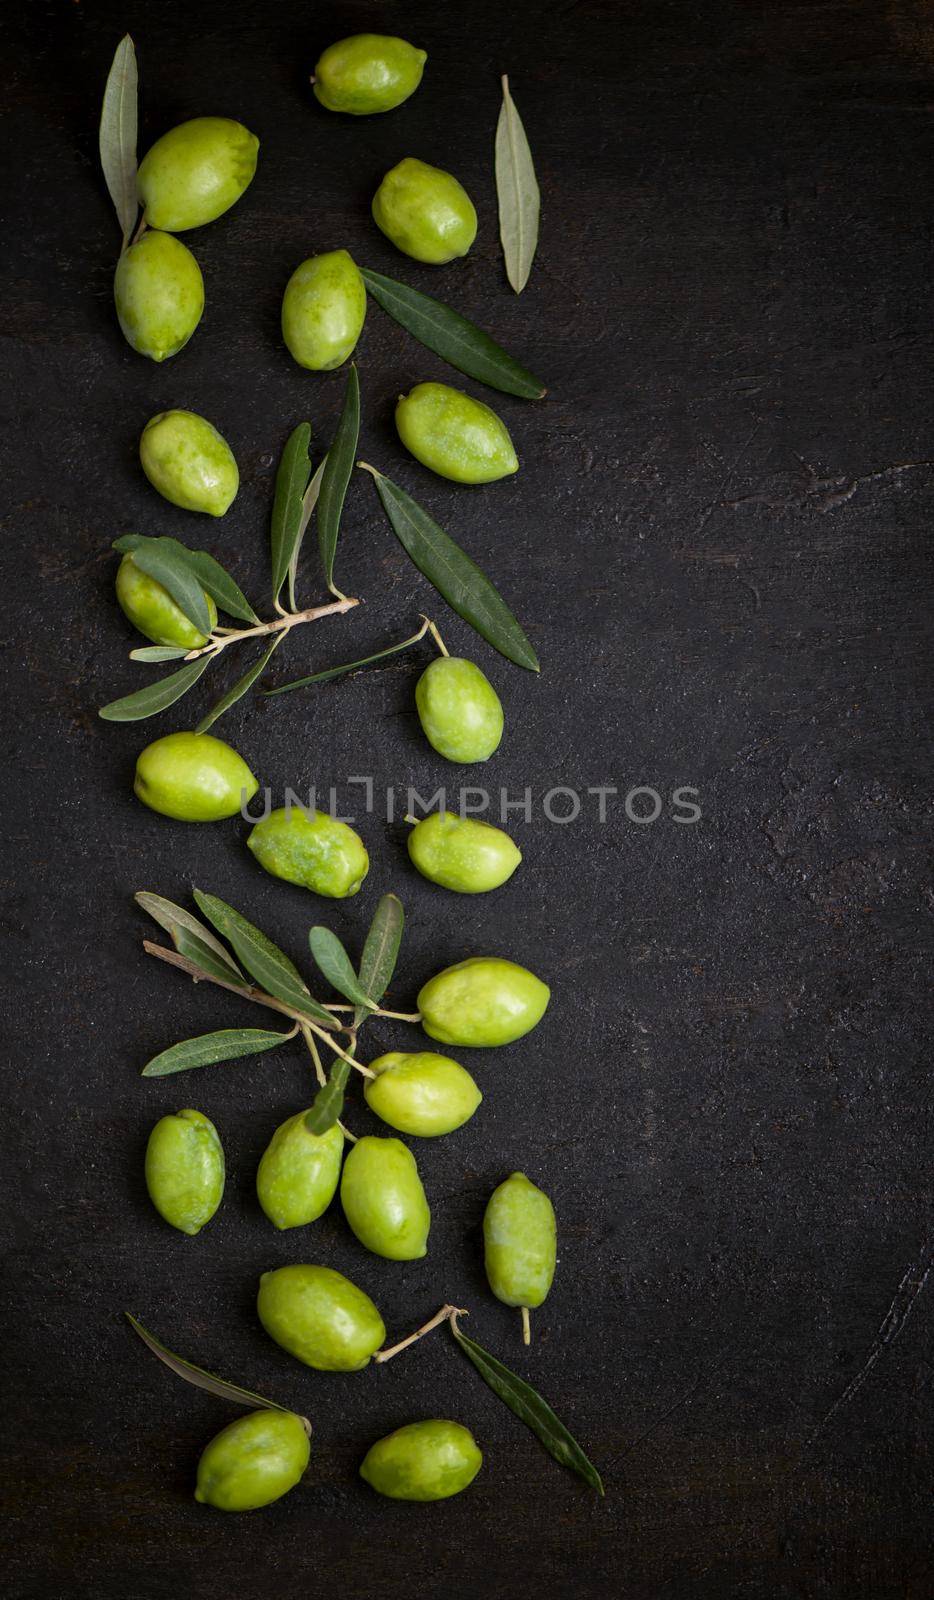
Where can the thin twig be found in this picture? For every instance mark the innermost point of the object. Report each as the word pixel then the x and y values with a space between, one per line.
pixel 446 1314
pixel 222 637
pixel 248 991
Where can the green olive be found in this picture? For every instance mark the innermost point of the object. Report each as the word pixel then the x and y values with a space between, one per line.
pixel 320 1317
pixel 383 1199
pixel 188 461
pixel 459 710
pixel 185 1170
pixel 253 1462
pixel 483 1001
pixel 462 854
pixel 193 777
pixel 423 1461
pixel 152 610
pixel 159 294
pixel 298 1174
pixel 519 1240
pixel 421 1093
pixel 453 434
pixel 196 172
pixel 323 310
pixel 425 212
pixel 315 851
pixel 366 73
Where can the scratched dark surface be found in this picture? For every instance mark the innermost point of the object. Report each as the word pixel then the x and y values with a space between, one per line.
pixel 719 543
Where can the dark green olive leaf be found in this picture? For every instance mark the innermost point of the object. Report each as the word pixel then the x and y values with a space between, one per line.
pixel 380 951
pixel 118 135
pixel 309 501
pixel 531 1409
pixel 332 959
pixel 227 1044
pixel 337 469
pixel 241 687
pixel 220 585
pixel 199 1377
pixel 263 960
pixel 156 696
pixel 159 652
pixel 329 1101
pixel 455 576
pixel 517 193
pixel 291 483
pixel 191 938
pixel 169 562
pixel 452 337
pixel 348 666
pixel 209 573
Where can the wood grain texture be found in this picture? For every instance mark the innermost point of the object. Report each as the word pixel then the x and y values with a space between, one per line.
pixel 719 541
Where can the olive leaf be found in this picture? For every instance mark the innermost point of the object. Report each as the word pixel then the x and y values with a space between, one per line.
pixel 530 1408
pixel 291 482
pixel 219 585
pixel 207 572
pixel 517 193
pixel 227 1044
pixel 453 337
pixel 332 959
pixel 117 137
pixel 309 501
pixel 191 938
pixel 169 563
pixel 159 652
pixel 263 960
pixel 328 1103
pixel 349 666
pixel 240 688
pixel 156 696
pixel 381 950
pixel 199 1377
pixel 338 465
pixel 455 576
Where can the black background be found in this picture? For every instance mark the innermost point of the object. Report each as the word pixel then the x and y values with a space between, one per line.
pixel 718 541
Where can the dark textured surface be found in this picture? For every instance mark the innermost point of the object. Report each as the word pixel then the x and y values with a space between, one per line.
pixel 718 541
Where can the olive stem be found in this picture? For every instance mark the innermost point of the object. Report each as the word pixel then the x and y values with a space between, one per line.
pixel 446 1314
pixel 526 1329
pixel 143 225
pixel 222 637
pixel 437 638
pixel 246 991
pixel 338 1051
pixel 400 1016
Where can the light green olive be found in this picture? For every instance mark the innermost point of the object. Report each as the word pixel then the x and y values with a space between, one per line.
pixel 253 1462
pixel 315 851
pixel 323 310
pixel 425 212
pixel 185 1170
pixel 423 1461
pixel 159 294
pixel 462 854
pixel 193 777
pixel 459 710
pixel 366 73
pixel 298 1174
pixel 152 610
pixel 483 1001
pixel 383 1199
pixel 421 1093
pixel 453 434
pixel 320 1317
pixel 196 172
pixel 188 461
pixel 520 1242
